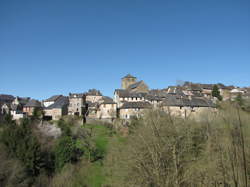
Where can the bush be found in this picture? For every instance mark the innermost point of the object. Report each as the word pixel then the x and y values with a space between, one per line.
pixel 65 151
pixel 21 144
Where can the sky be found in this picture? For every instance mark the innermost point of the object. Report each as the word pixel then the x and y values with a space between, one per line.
pixel 50 47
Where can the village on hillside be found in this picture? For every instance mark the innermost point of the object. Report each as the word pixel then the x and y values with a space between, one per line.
pixel 131 100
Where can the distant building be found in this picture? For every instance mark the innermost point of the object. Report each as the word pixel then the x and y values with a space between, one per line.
pixel 51 100
pixel 5 102
pixel 107 109
pixel 127 81
pixel 31 106
pixel 58 109
pixel 17 107
pixel 77 104
pixel 133 109
pixel 93 96
pixel 140 87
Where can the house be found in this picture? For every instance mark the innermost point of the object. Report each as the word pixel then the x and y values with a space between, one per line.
pixel 127 81
pixel 77 104
pixel 31 106
pixel 130 83
pixel 235 92
pixel 17 107
pixel 51 100
pixel 107 109
pixel 140 86
pixel 5 108
pixel 5 102
pixel 133 109
pixel 184 106
pixel 58 109
pixel 92 108
pixel 93 96
pixel 121 96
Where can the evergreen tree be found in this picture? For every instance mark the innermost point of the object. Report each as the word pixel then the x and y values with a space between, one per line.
pixel 65 151
pixel 216 92
pixel 239 100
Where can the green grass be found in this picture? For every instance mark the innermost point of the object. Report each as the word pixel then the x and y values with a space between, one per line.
pixel 104 139
pixel 95 177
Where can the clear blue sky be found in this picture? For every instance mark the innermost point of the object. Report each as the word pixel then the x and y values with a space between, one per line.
pixel 59 46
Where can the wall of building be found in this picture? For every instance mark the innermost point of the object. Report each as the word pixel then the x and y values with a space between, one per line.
pixel 48 103
pixel 76 105
pixel 130 112
pixel 107 111
pixel 126 82
pixel 93 98
pixel 28 110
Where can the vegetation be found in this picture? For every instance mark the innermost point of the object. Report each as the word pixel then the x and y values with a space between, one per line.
pixel 157 150
pixel 216 93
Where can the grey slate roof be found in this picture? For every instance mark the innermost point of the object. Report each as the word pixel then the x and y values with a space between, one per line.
pixel 125 93
pixel 153 98
pixel 91 104
pixel 128 105
pixel 185 102
pixel 53 98
pixel 172 100
pixel 59 103
pixel 33 103
pixel 6 98
pixel 135 85
pixel 78 95
pixel 23 100
pixel 107 100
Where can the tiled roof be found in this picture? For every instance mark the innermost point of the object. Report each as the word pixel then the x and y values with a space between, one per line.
pixel 107 100
pixel 76 95
pixel 125 93
pixel 53 98
pixel 33 103
pixel 23 100
pixel 183 101
pixel 128 105
pixel 59 103
pixel 135 85
pixel 6 98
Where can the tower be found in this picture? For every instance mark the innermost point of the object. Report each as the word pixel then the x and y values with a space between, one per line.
pixel 128 80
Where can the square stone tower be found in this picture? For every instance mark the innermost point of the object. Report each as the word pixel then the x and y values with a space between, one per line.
pixel 128 80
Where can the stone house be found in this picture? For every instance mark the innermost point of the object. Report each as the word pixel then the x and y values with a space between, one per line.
pixel 91 110
pixel 133 109
pixel 121 96
pixel 29 108
pixel 139 87
pixel 77 104
pixel 130 83
pixel 127 81
pixel 5 108
pixel 93 96
pixel 58 109
pixel 185 106
pixel 51 100
pixel 107 109
pixel 5 102
pixel 17 107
